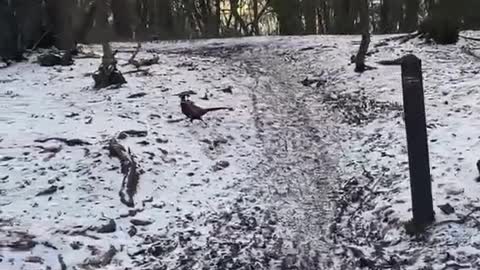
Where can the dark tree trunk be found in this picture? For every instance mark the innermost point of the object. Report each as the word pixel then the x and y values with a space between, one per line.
pixel 256 18
pixel 208 19
pixel 364 17
pixel 238 19
pixel 60 21
pixel 390 14
pixel 29 20
pixel 309 13
pixel 165 20
pixel 122 18
pixel 344 16
pixel 289 16
pixel 443 25
pixel 326 20
pixel 8 32
pixel 412 8
pixel 218 17
pixel 86 24
pixel 141 31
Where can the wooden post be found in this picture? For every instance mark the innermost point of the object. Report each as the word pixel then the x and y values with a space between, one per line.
pixel 415 122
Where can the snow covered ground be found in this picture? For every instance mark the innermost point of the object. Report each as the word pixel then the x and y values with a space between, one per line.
pixel 312 177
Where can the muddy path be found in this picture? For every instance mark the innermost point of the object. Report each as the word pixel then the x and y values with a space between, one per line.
pixel 299 141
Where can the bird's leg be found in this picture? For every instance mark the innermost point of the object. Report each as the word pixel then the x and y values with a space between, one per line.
pixel 205 123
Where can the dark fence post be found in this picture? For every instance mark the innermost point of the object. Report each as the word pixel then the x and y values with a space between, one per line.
pixel 415 122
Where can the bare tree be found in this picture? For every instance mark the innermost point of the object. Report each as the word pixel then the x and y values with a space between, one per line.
pixel 122 18
pixel 309 13
pixel 60 22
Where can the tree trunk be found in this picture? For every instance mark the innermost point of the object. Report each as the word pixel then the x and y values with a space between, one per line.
pixel 88 17
pixel 344 16
pixel 256 18
pixel 326 11
pixel 8 32
pixel 122 18
pixel 390 12
pixel 309 13
pixel 165 20
pixel 218 17
pixel 412 8
pixel 364 17
pixel 60 21
pixel 29 20
pixel 238 18
pixel 443 25
pixel 289 16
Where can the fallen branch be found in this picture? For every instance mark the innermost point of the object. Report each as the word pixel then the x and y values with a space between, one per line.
pixel 69 142
pixel 81 232
pixel 395 62
pixel 469 51
pixel 134 54
pixel 176 120
pixel 145 72
pixel 128 169
pixel 462 220
pixel 469 38
pixel 34 47
pixel 141 62
pixel 63 266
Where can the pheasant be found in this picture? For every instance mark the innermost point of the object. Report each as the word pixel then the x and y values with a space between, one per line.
pixel 194 112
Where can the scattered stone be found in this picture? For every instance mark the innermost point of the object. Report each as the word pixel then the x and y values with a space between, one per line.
pixel 453 191
pixel 110 227
pixel 220 165
pixel 132 231
pixel 71 115
pixel 76 245
pixel 132 133
pixel 137 95
pixel 6 158
pixel 227 90
pixel 52 189
pixel 34 259
pixel 159 205
pixel 140 222
pixel 143 143
pixel 160 140
pixel 447 208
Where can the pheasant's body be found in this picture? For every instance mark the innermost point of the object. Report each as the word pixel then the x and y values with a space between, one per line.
pixel 194 112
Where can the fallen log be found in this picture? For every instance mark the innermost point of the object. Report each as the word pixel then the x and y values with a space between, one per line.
pixel 69 142
pixel 52 59
pixel 129 170
pixel 142 62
